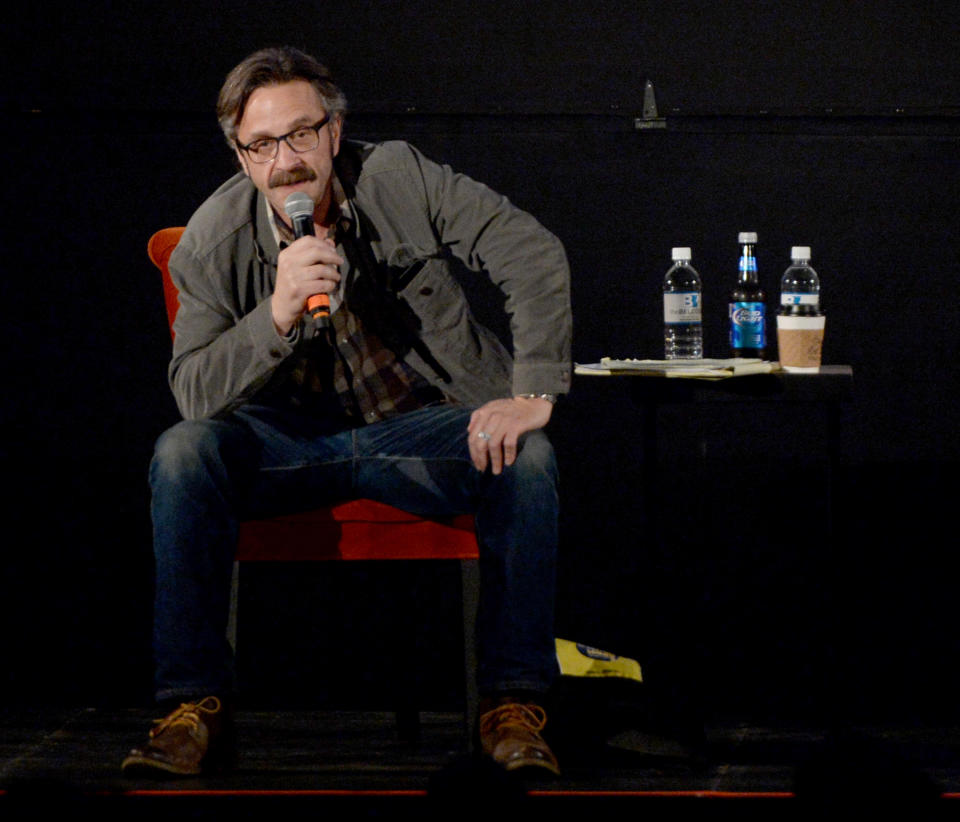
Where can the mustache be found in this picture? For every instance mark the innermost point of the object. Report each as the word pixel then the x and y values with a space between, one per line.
pixel 287 178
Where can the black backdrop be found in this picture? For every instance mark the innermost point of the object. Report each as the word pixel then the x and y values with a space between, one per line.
pixel 830 124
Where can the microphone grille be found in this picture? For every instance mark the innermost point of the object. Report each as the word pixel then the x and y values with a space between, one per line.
pixel 298 204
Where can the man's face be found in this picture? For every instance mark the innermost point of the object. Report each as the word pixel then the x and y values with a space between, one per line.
pixel 272 111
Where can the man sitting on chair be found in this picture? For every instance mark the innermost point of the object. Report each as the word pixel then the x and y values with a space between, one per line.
pixel 398 396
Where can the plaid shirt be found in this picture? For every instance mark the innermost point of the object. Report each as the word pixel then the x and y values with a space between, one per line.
pixel 369 380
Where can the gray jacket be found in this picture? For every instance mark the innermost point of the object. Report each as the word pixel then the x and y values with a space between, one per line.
pixel 226 350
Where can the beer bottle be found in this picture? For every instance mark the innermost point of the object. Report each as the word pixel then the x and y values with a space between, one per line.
pixel 748 332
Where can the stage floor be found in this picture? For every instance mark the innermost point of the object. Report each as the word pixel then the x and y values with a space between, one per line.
pixel 353 761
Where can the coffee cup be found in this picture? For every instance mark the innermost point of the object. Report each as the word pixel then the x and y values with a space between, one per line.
pixel 800 340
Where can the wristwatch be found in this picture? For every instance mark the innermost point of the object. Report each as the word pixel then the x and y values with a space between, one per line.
pixel 550 398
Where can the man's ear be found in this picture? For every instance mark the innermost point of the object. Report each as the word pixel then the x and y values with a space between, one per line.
pixel 336 128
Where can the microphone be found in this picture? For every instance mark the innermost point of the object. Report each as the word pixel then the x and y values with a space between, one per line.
pixel 299 208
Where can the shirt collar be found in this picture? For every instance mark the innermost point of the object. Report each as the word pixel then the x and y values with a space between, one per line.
pixel 283 234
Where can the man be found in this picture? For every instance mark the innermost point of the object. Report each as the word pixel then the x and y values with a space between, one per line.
pixel 404 398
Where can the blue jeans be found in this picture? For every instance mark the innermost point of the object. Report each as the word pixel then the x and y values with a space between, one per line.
pixel 208 475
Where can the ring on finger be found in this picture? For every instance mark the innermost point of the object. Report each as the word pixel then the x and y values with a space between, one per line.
pixel 483 435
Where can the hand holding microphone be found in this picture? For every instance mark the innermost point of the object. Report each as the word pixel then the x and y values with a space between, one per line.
pixel 306 271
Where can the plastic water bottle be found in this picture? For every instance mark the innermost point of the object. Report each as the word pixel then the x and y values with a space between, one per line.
pixel 682 313
pixel 748 320
pixel 800 285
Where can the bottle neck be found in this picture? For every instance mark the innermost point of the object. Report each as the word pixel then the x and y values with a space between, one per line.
pixel 748 265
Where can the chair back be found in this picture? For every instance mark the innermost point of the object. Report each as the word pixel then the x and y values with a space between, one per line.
pixel 159 248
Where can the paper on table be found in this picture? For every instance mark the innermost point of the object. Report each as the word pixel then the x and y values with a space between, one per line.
pixel 704 369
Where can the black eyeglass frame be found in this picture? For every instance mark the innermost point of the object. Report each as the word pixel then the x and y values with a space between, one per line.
pixel 286 138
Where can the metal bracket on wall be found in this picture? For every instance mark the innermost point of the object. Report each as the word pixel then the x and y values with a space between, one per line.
pixel 650 118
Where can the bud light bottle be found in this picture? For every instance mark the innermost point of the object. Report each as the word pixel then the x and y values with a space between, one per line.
pixel 800 285
pixel 748 322
pixel 682 314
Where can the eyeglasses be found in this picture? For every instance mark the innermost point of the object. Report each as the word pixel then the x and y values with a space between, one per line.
pixel 301 139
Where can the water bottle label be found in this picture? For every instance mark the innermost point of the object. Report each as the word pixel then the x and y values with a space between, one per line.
pixel 747 326
pixel 799 299
pixel 681 308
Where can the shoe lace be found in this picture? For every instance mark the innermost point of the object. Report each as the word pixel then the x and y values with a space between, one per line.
pixel 514 714
pixel 187 714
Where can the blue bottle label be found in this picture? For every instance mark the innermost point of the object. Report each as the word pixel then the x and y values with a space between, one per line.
pixel 793 298
pixel 747 325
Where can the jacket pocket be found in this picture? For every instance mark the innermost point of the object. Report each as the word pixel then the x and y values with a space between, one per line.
pixel 435 296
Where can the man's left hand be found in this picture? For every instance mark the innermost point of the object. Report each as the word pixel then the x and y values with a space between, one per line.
pixel 496 427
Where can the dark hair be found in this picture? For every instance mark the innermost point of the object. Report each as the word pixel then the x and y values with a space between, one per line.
pixel 272 66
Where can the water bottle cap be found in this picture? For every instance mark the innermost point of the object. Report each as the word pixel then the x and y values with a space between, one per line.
pixel 680 253
pixel 747 237
pixel 800 252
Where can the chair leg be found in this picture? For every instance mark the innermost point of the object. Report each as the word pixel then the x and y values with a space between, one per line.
pixel 470 592
pixel 408 715
pixel 403 631
pixel 234 599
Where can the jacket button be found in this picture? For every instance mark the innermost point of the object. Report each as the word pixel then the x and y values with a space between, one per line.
pixel 426 291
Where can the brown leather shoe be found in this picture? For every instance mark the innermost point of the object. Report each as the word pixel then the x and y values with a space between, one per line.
pixel 195 738
pixel 510 735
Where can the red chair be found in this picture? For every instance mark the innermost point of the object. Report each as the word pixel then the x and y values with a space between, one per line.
pixel 356 530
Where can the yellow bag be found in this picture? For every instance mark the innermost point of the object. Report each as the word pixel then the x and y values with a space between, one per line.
pixel 576 659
